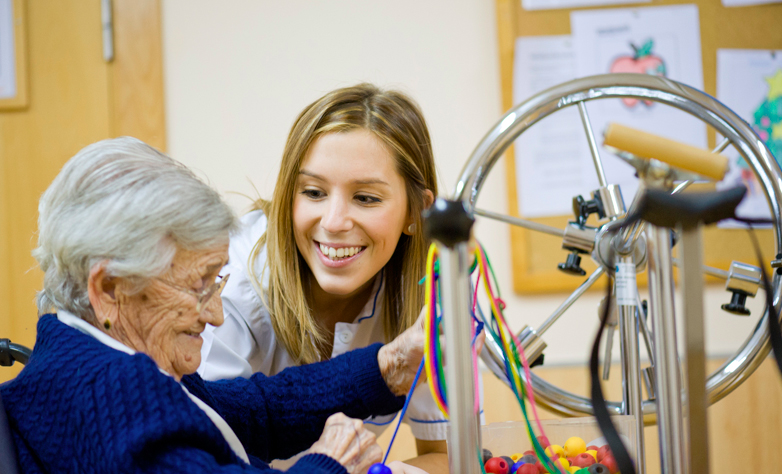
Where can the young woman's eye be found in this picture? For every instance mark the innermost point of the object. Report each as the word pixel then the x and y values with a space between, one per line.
pixel 364 199
pixel 313 193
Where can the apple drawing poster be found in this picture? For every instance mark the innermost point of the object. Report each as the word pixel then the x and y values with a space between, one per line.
pixel 749 81
pixel 662 41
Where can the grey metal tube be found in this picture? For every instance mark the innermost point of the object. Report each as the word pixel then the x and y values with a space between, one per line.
pixel 459 376
pixel 670 424
pixel 570 300
pixel 632 397
pixel 695 350
pixel 601 175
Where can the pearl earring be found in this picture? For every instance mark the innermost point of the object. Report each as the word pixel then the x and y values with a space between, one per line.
pixel 411 228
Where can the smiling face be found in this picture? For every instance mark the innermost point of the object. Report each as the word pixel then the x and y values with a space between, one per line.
pixel 163 322
pixel 349 210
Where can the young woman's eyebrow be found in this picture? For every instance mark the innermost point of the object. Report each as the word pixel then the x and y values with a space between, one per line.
pixel 357 181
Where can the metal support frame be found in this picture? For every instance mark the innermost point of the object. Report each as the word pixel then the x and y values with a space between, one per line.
pixel 670 423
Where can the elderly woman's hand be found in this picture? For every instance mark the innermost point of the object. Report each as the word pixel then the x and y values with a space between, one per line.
pixel 346 440
pixel 399 359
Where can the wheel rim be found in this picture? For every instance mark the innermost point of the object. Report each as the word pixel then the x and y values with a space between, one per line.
pixel 692 101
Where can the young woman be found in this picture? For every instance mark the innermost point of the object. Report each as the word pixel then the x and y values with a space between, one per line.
pixel 333 262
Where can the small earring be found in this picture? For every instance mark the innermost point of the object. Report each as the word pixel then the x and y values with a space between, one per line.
pixel 411 228
pixel 107 324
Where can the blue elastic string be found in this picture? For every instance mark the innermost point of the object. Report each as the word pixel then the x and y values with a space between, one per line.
pixel 404 409
pixel 374 303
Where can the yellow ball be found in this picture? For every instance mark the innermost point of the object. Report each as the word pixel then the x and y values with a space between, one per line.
pixel 574 446
pixel 592 453
pixel 516 457
pixel 565 463
pixel 573 469
pixel 555 449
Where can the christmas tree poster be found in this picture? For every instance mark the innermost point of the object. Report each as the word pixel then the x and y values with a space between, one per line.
pixel 750 83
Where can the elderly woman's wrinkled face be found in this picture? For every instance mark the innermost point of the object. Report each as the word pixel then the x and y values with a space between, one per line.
pixel 163 322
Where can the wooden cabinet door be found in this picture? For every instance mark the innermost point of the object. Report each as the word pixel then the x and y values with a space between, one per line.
pixel 75 98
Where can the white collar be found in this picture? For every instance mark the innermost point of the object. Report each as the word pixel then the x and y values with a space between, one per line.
pixel 79 324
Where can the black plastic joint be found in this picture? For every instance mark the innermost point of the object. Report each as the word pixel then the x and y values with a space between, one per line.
pixel 448 222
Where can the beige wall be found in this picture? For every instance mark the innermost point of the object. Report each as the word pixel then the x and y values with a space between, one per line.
pixel 237 73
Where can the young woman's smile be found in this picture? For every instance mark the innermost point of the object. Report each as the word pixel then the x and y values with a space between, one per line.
pixel 349 210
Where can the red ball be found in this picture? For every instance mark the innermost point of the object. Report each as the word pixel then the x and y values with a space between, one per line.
pixel 541 469
pixel 610 463
pixel 592 448
pixel 530 452
pixel 570 460
pixel 602 452
pixel 583 460
pixel 497 466
pixel 543 441
pixel 527 469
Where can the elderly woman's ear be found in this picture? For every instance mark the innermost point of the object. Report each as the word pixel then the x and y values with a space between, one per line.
pixel 101 289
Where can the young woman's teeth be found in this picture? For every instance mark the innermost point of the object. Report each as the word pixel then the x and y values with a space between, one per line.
pixel 342 252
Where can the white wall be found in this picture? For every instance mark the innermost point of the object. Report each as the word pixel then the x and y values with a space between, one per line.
pixel 238 72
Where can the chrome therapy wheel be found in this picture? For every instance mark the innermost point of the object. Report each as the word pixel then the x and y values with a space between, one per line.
pixel 578 93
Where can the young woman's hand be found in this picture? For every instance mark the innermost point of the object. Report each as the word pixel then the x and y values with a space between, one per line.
pixel 349 443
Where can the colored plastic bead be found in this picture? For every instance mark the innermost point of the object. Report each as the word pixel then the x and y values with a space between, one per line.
pixel 487 455
pixel 529 459
pixel 379 468
pixel 598 468
pixel 592 453
pixel 574 469
pixel 610 463
pixel 516 456
pixel 527 469
pixel 583 460
pixel 508 460
pixel 555 449
pixel 497 466
pixel 602 452
pixel 583 470
pixel 544 441
pixel 516 466
pixel 574 446
pixel 563 462
pixel 592 447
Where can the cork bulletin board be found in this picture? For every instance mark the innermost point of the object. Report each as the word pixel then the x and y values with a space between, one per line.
pixel 536 255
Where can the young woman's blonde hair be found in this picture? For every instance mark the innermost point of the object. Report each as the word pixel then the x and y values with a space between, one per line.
pixel 397 121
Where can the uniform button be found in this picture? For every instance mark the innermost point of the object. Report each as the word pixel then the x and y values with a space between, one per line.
pixel 345 337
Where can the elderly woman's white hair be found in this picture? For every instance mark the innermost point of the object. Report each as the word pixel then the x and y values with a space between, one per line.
pixel 126 203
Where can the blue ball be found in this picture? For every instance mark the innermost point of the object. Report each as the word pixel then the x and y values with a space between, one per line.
pixel 516 466
pixel 379 468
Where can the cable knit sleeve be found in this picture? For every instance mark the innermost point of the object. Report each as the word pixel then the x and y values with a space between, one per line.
pixel 279 416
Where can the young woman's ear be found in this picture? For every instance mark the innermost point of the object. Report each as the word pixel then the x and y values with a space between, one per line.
pixel 410 225
pixel 101 289
pixel 428 198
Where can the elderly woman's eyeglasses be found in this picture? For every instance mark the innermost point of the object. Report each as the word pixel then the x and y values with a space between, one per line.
pixel 204 295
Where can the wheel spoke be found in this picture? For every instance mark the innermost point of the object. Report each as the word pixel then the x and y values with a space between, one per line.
pixel 570 300
pixel 546 229
pixel 715 272
pixel 601 175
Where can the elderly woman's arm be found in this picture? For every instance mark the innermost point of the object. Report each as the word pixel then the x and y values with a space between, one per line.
pixel 277 417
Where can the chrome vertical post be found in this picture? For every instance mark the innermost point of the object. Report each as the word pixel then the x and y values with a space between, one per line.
pixel 632 400
pixel 695 350
pixel 449 224
pixel 666 368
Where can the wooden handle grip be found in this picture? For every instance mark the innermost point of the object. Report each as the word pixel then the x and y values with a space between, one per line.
pixel 680 155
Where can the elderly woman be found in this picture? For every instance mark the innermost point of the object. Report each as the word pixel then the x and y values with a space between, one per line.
pixel 131 243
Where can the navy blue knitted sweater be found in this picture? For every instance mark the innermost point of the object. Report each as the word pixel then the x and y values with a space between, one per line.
pixel 82 407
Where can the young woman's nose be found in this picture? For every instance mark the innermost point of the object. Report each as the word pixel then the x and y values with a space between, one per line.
pixel 336 217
